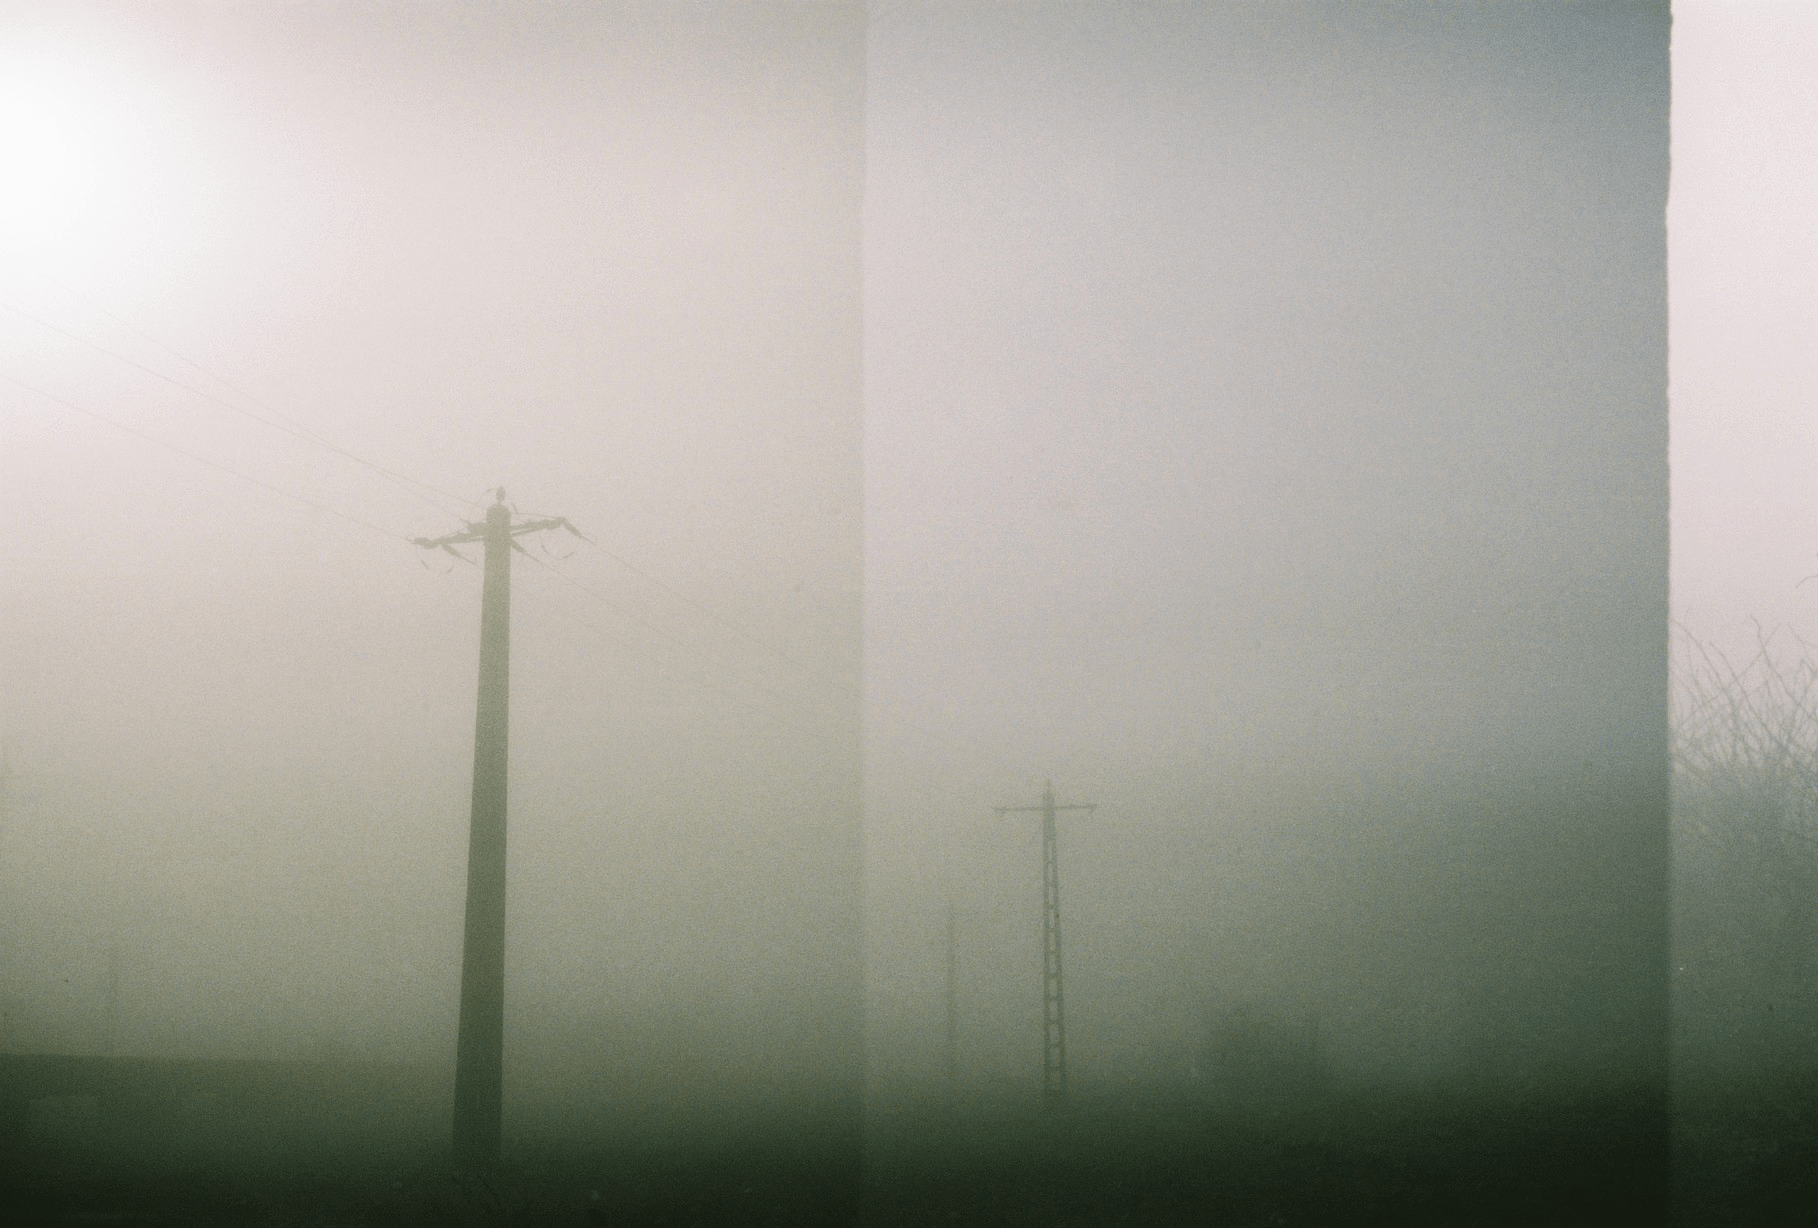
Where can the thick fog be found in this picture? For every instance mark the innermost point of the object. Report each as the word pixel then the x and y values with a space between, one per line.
pixel 1745 180
pixel 1266 441
pixel 1745 546
pixel 1249 417
pixel 604 256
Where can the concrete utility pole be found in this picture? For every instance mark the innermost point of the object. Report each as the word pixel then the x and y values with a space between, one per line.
pixel 1054 1021
pixel 480 1049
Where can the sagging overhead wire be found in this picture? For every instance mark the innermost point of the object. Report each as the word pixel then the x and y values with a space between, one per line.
pixel 277 422
pixel 780 708
pixel 417 489
pixel 742 633
pixel 648 625
pixel 782 714
pixel 402 480
pixel 560 558
pixel 706 683
pixel 477 530
pixel 198 458
pixel 698 680
pixel 504 524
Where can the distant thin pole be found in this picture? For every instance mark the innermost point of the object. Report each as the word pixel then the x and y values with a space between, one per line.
pixel 110 1042
pixel 952 1005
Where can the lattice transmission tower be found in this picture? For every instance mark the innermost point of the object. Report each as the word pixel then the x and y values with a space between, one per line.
pixel 1054 1017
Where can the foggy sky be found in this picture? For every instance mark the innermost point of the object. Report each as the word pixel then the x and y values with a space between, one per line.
pixel 606 257
pixel 1266 440
pixel 1744 443
pixel 1263 420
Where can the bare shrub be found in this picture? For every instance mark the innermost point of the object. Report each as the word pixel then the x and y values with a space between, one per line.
pixel 1745 853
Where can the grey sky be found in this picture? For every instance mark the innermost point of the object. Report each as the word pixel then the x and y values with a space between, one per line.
pixel 1745 180
pixel 1264 436
pixel 1266 440
pixel 604 255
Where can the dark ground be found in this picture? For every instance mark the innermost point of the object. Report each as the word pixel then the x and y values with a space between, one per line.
pixel 1353 1158
pixel 1745 1150
pixel 1743 1154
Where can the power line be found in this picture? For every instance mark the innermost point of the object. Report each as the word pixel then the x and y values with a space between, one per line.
pixel 314 436
pixel 561 575
pixel 782 713
pixel 806 670
pixel 707 685
pixel 295 431
pixel 411 485
pixel 506 534
pixel 83 409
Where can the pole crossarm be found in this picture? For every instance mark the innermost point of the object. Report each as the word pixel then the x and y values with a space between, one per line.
pixel 473 533
pixel 476 532
pixel 482 530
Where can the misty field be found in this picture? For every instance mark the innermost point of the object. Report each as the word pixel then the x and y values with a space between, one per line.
pixel 328 1146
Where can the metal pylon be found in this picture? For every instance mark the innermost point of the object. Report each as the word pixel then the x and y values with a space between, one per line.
pixel 1054 1012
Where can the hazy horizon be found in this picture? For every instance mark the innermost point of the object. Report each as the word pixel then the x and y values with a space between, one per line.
pixel 1251 418
pixel 1266 440
pixel 605 257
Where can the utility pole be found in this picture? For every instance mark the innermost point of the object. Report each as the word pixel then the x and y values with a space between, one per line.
pixel 952 1007
pixel 480 1049
pixel 1054 1020
pixel 110 1042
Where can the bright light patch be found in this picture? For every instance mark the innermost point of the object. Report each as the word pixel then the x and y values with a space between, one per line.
pixel 74 161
